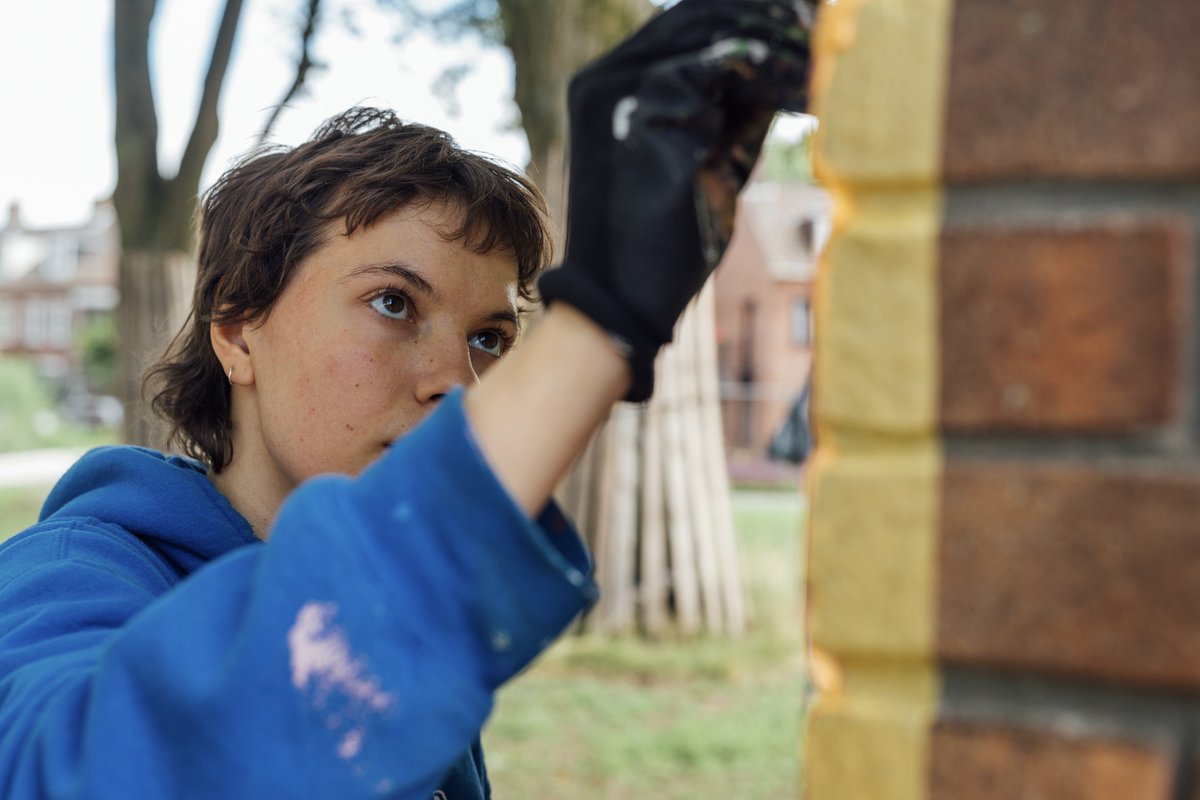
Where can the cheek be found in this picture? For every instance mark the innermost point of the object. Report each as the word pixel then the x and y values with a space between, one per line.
pixel 364 382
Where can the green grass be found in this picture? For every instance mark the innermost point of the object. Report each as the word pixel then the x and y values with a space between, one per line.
pixel 19 508
pixel 706 718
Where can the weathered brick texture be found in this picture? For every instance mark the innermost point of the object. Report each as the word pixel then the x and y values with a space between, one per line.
pixel 1071 569
pixel 1068 327
pixel 1005 513
pixel 1096 89
pixel 996 762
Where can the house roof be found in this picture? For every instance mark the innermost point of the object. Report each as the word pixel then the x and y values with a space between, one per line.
pixel 92 250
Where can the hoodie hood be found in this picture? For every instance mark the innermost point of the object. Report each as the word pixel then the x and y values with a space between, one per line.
pixel 166 501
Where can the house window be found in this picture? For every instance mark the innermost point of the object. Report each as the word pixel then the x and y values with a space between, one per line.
pixel 8 324
pixel 61 260
pixel 802 332
pixel 47 323
pixel 37 322
pixel 805 231
pixel 59 325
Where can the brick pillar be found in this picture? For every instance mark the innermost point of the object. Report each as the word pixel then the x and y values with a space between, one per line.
pixel 1004 569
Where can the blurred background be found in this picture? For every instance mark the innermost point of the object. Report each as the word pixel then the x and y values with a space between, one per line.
pixel 689 682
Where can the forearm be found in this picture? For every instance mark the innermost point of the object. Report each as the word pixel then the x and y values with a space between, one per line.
pixel 705 78
pixel 534 412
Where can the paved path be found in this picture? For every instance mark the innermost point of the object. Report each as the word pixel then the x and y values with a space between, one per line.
pixel 36 467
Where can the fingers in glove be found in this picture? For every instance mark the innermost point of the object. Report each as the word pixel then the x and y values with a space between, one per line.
pixel 719 182
pixel 743 74
pixel 713 105
pixel 692 25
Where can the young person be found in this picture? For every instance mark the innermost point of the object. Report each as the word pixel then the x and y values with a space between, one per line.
pixel 323 598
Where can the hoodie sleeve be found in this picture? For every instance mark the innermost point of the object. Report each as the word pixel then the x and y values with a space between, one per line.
pixel 355 654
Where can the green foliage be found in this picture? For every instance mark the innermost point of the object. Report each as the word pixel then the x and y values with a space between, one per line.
pixel 96 344
pixel 672 719
pixel 787 160
pixel 25 419
pixel 28 420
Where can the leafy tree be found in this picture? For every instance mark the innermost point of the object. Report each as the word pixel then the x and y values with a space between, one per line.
pixel 96 345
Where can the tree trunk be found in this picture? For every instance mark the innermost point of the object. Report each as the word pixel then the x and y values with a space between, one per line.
pixel 154 288
pixel 155 213
pixel 550 40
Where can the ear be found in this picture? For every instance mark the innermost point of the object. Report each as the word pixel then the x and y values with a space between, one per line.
pixel 232 351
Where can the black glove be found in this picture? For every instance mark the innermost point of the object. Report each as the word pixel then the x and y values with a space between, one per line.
pixel 664 132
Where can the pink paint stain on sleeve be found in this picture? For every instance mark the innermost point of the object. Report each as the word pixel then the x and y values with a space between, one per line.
pixel 351 743
pixel 321 661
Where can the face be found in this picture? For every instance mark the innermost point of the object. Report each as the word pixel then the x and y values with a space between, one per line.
pixel 373 330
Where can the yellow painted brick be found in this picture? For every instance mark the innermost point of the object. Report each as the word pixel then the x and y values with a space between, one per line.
pixel 876 313
pixel 872 551
pixel 879 90
pixel 873 742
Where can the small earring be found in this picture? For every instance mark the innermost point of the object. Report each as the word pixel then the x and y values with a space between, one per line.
pixel 229 375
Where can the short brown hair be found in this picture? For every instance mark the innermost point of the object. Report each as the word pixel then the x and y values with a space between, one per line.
pixel 264 216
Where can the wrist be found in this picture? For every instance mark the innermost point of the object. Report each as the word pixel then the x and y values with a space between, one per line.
pixel 534 412
pixel 633 332
pixel 586 346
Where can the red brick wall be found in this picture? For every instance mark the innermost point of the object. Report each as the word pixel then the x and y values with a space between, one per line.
pixel 1053 427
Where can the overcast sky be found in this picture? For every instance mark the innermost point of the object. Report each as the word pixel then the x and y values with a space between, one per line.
pixel 56 118
pixel 56 114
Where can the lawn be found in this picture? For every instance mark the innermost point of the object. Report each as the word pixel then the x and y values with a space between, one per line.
pixel 699 719
pixel 19 508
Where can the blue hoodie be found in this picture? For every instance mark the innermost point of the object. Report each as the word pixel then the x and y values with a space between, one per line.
pixel 151 646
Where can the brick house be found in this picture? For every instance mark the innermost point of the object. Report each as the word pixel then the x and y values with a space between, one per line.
pixel 52 282
pixel 763 309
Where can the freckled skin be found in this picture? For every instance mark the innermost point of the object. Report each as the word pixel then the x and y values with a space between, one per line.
pixel 331 381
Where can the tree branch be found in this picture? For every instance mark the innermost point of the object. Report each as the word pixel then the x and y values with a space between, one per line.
pixel 451 22
pixel 302 67
pixel 136 128
pixel 204 132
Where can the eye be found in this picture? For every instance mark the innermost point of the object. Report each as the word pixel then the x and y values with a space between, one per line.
pixel 493 342
pixel 392 304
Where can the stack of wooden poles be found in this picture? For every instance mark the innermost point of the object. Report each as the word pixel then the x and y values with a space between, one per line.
pixel 651 495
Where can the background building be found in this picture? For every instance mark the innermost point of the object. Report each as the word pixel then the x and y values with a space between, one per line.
pixel 53 282
pixel 764 311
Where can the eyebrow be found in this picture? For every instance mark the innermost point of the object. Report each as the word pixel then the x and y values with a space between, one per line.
pixel 417 280
pixel 507 315
pixel 395 269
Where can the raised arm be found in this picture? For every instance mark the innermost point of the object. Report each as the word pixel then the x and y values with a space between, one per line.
pixel 664 132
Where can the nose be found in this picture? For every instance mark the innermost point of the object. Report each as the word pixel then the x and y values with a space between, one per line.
pixel 443 364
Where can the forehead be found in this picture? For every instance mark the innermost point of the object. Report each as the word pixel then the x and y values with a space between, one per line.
pixel 425 221
pixel 428 240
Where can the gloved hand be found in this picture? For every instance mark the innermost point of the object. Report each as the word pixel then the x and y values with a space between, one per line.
pixel 664 131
